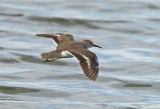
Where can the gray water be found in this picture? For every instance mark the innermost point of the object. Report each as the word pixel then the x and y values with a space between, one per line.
pixel 128 31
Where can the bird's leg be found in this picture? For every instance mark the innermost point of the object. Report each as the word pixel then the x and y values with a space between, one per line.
pixel 50 60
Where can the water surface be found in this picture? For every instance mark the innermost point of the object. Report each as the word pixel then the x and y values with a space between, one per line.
pixel 128 31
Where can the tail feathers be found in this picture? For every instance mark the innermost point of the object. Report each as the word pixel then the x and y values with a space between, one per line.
pixel 50 55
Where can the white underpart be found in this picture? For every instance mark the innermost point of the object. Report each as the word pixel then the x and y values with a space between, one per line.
pixel 88 61
pixel 66 54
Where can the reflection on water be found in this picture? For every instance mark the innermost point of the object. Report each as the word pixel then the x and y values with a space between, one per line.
pixel 137 85
pixel 129 61
pixel 15 90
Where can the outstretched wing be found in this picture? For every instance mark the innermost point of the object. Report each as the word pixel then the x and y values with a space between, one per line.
pixel 88 62
pixel 58 37
pixel 53 36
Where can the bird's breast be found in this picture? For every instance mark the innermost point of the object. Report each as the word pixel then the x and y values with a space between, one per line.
pixel 66 54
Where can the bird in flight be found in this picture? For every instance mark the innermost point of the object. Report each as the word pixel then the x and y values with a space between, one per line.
pixel 67 47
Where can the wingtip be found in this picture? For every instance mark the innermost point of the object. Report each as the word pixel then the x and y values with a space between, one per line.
pixel 40 34
pixel 93 79
pixel 45 35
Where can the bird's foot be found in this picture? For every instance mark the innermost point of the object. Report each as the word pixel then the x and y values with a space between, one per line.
pixel 50 60
pixel 47 60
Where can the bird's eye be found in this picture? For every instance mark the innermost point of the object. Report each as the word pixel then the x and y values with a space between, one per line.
pixel 91 43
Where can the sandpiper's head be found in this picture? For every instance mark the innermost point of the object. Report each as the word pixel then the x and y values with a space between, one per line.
pixel 89 44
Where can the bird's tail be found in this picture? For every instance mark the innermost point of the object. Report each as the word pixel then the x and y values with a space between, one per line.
pixel 50 55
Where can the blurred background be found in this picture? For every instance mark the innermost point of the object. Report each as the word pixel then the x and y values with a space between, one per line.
pixel 128 31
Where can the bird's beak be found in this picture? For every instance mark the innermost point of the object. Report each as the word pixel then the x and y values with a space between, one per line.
pixel 96 46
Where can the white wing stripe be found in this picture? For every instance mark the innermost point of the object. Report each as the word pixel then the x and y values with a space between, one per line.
pixel 88 61
pixel 86 58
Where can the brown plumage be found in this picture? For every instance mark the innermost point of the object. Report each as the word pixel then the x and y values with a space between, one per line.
pixel 68 47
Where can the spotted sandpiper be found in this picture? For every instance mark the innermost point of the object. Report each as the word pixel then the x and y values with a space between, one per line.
pixel 67 47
